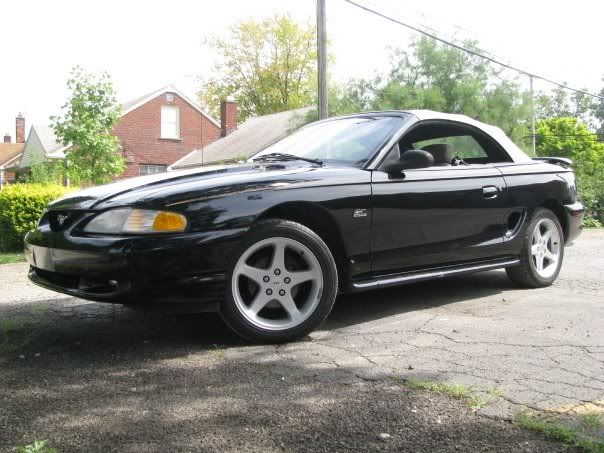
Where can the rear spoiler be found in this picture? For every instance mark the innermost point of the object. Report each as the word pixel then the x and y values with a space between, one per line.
pixel 562 161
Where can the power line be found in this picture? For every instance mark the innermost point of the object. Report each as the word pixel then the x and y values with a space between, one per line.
pixel 449 36
pixel 470 51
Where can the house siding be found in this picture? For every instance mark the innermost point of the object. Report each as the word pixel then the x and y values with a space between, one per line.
pixel 34 151
pixel 139 134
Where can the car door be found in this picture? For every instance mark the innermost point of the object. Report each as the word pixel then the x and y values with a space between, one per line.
pixel 437 216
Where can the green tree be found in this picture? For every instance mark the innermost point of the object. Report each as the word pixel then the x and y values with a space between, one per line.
pixel 569 137
pixel 90 114
pixel 560 103
pixel 439 77
pixel 598 110
pixel 267 65
pixel 51 172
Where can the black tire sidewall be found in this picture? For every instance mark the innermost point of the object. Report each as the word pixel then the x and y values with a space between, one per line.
pixel 288 229
pixel 540 214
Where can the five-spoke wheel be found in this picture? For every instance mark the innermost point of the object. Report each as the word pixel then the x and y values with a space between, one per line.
pixel 542 252
pixel 545 247
pixel 282 283
pixel 277 283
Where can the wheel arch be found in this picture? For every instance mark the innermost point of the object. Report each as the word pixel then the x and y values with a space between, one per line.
pixel 319 220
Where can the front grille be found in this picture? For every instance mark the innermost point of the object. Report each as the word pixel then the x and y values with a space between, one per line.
pixel 59 220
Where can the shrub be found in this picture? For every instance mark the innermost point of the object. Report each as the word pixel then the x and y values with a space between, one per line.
pixel 591 193
pixel 21 206
pixel 47 173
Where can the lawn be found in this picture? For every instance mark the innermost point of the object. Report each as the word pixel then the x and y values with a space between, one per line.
pixel 6 258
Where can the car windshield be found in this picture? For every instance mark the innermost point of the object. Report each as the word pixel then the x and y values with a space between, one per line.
pixel 347 140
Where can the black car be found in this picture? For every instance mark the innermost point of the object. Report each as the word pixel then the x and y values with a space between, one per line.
pixel 347 204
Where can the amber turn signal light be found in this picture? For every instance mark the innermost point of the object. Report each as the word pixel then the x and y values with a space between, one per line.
pixel 169 222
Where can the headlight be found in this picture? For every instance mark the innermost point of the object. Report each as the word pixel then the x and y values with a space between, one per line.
pixel 139 221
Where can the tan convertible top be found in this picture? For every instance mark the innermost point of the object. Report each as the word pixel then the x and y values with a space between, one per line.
pixel 508 145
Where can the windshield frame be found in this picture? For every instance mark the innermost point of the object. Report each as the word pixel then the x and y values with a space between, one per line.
pixel 403 116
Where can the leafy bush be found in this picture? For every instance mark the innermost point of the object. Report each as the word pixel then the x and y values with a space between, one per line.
pixel 591 193
pixel 21 206
pixel 47 173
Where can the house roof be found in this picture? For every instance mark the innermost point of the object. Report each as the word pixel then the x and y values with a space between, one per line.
pixel 41 144
pixel 248 139
pixel 8 151
pixel 133 104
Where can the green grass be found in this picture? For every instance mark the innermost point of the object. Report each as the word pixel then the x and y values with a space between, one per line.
pixel 7 258
pixel 591 421
pixel 475 402
pixel 581 432
pixel 39 446
pixel 15 334
pixel 495 393
pixel 457 391
pixel 560 432
pixel 11 325
pixel 39 308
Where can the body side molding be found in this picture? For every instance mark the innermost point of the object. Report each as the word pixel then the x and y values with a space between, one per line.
pixel 416 276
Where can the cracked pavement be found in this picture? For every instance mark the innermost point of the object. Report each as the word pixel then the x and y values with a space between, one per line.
pixel 541 348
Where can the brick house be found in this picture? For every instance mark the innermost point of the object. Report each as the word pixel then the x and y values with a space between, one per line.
pixel 162 127
pixel 10 153
pixel 155 130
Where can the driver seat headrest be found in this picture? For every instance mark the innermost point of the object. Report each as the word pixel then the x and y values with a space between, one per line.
pixel 441 152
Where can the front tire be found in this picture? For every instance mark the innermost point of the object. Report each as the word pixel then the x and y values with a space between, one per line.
pixel 281 283
pixel 542 252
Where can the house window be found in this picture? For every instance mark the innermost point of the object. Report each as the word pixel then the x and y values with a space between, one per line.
pixel 169 97
pixel 146 169
pixel 170 122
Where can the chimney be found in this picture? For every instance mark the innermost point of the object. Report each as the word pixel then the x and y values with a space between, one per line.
pixel 228 116
pixel 20 129
pixel 7 138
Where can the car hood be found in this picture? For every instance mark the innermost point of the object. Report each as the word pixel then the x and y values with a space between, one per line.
pixel 173 187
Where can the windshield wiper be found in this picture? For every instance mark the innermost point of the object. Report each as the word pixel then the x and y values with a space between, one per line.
pixel 274 157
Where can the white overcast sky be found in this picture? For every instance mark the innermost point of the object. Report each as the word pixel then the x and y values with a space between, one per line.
pixel 147 44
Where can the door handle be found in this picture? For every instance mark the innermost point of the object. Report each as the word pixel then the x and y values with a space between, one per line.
pixel 490 192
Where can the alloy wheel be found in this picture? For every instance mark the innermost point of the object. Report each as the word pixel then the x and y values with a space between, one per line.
pixel 545 248
pixel 277 283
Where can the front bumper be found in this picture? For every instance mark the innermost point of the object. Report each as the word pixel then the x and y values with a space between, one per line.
pixel 188 268
pixel 574 221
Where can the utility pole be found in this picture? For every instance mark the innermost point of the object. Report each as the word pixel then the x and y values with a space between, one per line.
pixel 322 59
pixel 533 141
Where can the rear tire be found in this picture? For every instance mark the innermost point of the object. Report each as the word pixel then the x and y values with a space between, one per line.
pixel 542 252
pixel 281 283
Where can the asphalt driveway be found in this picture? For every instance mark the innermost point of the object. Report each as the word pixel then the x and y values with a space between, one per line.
pixel 91 376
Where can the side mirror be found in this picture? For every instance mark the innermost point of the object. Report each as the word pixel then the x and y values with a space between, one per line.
pixel 411 159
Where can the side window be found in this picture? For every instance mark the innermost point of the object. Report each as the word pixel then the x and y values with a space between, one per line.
pixel 464 146
pixel 449 141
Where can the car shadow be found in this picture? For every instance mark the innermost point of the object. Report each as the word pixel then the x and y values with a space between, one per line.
pixel 70 326
pixel 357 308
pixel 82 373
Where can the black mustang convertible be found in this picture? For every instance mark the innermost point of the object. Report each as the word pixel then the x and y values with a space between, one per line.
pixel 347 204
